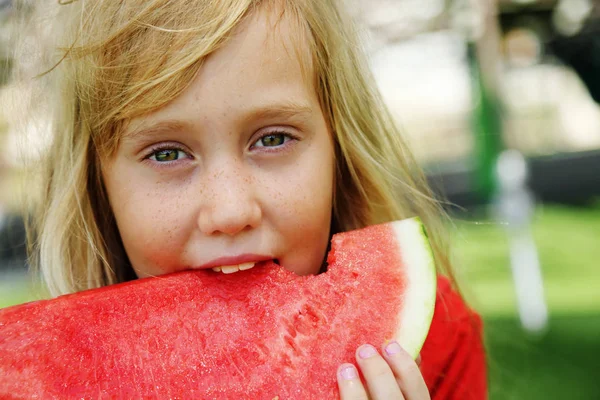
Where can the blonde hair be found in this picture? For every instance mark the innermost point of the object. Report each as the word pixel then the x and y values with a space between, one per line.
pixel 124 59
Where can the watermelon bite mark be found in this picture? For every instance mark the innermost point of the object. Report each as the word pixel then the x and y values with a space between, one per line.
pixel 259 334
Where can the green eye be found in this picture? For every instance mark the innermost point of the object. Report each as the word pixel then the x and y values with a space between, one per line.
pixel 167 155
pixel 273 140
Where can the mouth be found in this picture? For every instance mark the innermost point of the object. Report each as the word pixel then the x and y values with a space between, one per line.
pixel 231 269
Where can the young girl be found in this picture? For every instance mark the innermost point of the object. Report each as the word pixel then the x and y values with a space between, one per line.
pixel 214 134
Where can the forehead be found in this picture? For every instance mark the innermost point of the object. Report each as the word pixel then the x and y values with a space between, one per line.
pixel 269 45
pixel 265 63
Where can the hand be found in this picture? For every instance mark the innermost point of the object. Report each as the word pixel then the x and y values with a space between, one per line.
pixel 393 376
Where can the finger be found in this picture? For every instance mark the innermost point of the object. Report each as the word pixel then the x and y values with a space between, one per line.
pixel 378 375
pixel 351 388
pixel 406 371
pixel 418 361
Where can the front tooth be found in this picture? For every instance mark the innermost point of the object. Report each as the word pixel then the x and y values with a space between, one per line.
pixel 246 266
pixel 217 269
pixel 230 269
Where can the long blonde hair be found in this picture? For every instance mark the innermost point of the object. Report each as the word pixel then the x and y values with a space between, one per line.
pixel 122 59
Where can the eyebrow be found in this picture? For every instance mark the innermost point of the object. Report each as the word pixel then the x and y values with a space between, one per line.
pixel 280 110
pixel 170 125
pixel 285 111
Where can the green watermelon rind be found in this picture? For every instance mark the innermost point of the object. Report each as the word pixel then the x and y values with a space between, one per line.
pixel 419 298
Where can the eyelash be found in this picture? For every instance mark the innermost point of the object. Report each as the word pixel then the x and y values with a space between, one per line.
pixel 174 147
pixel 163 147
pixel 287 137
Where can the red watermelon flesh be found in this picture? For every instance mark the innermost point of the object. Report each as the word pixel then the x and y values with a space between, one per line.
pixel 254 334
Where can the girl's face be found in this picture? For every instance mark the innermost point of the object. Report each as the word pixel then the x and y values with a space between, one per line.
pixel 239 168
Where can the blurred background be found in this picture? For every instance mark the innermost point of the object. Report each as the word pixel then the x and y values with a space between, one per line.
pixel 500 102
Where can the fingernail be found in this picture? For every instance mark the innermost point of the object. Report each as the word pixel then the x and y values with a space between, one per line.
pixel 393 348
pixel 367 351
pixel 348 372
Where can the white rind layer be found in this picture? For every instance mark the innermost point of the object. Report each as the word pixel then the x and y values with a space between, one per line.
pixel 419 298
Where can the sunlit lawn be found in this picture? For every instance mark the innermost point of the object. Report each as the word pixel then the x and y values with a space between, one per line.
pixel 563 362
pixel 560 364
pixel 567 241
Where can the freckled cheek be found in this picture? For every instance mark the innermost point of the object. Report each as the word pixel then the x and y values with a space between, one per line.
pixel 152 227
pixel 303 197
pixel 303 217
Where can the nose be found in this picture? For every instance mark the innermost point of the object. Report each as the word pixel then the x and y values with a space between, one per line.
pixel 229 204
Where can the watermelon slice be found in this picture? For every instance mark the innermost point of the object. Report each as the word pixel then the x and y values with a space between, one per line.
pixel 264 333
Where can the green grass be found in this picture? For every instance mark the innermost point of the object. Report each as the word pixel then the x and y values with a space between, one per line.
pixel 16 289
pixel 567 241
pixel 562 364
pixel 559 364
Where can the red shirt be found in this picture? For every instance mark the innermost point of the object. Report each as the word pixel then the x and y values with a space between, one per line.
pixel 453 357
